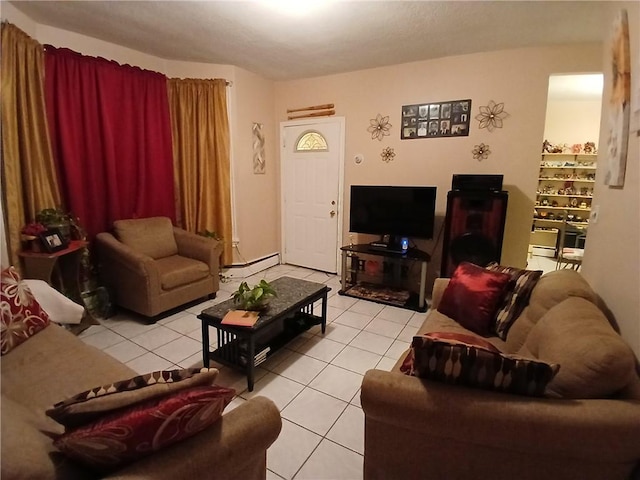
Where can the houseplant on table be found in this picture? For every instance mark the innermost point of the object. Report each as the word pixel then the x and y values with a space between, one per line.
pixel 256 297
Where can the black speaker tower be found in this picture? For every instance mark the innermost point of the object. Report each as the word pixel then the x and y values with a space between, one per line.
pixel 474 224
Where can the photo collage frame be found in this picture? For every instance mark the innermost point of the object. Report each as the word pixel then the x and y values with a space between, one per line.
pixel 436 120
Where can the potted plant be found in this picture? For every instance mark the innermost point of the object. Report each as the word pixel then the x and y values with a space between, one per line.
pixel 210 234
pixel 256 297
pixel 55 218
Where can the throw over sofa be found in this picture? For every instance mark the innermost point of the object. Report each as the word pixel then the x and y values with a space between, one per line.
pixel 587 426
pixel 152 266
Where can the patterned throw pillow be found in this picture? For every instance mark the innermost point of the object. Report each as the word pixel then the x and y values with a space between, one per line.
pixel 460 364
pixel 92 404
pixel 21 315
pixel 472 296
pixel 136 431
pixel 516 298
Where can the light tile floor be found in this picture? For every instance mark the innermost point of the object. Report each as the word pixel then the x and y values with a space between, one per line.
pixel 315 380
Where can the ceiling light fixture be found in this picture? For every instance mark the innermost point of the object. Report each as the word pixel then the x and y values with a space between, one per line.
pixel 297 8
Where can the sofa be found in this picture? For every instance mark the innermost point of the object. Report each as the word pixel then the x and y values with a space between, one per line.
pixel 150 266
pixel 586 425
pixel 52 365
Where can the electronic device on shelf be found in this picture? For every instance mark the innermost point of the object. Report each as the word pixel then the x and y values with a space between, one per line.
pixel 394 212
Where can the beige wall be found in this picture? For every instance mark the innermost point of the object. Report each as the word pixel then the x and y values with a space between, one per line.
pixel 612 258
pixel 519 78
pixel 573 121
pixel 257 195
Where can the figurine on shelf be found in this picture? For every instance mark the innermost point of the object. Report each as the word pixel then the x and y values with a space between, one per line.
pixel 576 148
pixel 590 147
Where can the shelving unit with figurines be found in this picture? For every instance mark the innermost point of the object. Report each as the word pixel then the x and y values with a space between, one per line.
pixel 565 189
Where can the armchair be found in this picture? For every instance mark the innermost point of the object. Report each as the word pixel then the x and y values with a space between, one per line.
pixel 152 266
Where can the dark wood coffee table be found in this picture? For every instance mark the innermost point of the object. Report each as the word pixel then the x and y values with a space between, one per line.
pixel 288 315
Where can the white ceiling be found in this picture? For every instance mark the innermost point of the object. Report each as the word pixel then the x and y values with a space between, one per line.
pixel 344 36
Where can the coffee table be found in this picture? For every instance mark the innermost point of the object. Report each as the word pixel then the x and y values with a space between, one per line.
pixel 288 315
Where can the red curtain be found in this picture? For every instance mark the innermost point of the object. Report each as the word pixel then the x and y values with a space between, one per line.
pixel 111 138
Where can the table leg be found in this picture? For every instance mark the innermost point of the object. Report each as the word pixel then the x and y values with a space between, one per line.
pixel 324 312
pixel 251 363
pixel 423 284
pixel 205 344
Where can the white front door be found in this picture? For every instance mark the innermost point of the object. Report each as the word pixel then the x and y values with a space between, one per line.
pixel 312 158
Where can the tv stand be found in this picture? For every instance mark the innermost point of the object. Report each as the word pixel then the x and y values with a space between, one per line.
pixel 388 285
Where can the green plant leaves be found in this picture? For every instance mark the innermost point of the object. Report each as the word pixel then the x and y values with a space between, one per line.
pixel 256 297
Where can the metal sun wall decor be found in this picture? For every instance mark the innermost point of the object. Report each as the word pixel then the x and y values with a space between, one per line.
pixel 379 127
pixel 619 103
pixel 258 149
pixel 433 120
pixel 388 154
pixel 491 116
pixel 481 152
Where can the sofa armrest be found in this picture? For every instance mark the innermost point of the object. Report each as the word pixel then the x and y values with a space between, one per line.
pixel 234 447
pixel 601 431
pixel 206 250
pixel 438 290
pixel 118 261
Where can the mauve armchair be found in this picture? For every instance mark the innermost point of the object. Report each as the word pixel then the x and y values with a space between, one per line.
pixel 151 266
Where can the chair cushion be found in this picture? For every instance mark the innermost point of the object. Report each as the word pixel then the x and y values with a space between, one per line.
pixel 595 361
pixel 26 448
pixel 176 271
pixel 21 315
pixel 150 236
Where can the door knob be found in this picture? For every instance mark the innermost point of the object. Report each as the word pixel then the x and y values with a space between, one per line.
pixel 332 213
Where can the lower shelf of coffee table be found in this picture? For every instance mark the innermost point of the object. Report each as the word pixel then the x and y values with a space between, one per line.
pixel 233 348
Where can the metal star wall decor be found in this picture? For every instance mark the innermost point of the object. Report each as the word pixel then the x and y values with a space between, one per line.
pixel 388 154
pixel 481 152
pixel 491 116
pixel 379 127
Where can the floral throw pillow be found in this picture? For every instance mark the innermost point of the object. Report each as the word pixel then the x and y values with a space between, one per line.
pixel 133 432
pixel 21 315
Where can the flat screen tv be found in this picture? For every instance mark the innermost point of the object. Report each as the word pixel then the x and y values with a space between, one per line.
pixel 397 211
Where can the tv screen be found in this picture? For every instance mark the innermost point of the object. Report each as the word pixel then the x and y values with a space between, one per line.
pixel 397 211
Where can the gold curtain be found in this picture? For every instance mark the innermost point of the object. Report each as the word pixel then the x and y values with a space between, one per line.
pixel 29 179
pixel 200 128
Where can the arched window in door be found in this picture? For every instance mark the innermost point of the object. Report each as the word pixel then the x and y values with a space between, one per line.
pixel 311 141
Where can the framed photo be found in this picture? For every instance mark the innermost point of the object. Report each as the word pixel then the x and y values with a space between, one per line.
pixel 53 241
pixel 439 119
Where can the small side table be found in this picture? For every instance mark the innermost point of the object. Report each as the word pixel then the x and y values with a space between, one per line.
pixel 59 269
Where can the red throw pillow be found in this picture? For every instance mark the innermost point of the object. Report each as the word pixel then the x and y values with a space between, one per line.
pixel 136 431
pixel 472 296
pixel 21 315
